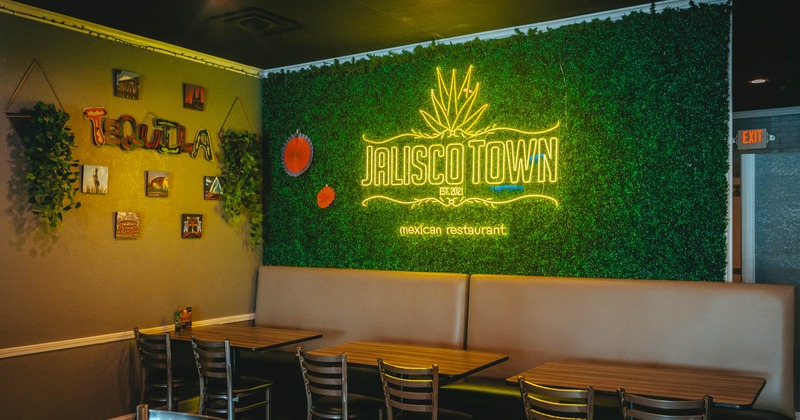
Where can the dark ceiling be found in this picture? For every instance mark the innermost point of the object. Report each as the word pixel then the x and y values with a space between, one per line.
pixel 268 34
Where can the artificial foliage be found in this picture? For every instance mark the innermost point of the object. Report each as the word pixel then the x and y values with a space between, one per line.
pixel 241 177
pixel 642 106
pixel 51 172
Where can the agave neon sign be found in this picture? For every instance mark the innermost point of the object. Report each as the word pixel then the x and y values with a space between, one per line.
pixel 455 162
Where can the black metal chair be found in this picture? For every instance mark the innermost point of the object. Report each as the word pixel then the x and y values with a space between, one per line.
pixel 143 412
pixel 327 397
pixel 413 392
pixel 163 384
pixel 223 394
pixel 639 407
pixel 546 403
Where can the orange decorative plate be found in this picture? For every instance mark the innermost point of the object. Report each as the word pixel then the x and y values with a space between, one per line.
pixel 297 154
pixel 325 196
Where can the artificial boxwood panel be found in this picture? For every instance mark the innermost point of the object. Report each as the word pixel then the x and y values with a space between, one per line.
pixel 641 105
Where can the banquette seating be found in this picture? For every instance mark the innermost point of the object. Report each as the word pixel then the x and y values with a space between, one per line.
pixel 349 305
pixel 747 328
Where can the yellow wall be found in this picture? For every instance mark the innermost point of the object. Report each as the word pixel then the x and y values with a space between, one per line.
pixel 83 282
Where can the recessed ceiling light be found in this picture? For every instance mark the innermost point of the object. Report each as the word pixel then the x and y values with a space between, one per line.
pixel 758 80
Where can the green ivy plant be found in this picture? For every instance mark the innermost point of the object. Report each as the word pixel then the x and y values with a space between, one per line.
pixel 51 171
pixel 241 196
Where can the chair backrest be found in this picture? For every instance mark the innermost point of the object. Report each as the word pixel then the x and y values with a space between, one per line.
pixel 324 376
pixel 155 357
pixel 638 407
pixel 542 402
pixel 214 368
pixel 413 389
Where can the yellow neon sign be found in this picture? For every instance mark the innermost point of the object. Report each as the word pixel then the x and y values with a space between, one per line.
pixel 455 157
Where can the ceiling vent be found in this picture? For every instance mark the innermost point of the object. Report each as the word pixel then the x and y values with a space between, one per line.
pixel 258 21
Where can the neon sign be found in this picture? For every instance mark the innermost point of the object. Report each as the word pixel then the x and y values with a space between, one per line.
pixel 453 230
pixel 456 160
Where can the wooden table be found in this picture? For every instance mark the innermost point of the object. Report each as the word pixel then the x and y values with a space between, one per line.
pixel 247 337
pixel 727 389
pixel 453 364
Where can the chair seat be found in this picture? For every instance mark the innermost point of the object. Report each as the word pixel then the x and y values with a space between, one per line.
pixel 246 384
pixel 357 405
pixel 444 414
pixel 243 387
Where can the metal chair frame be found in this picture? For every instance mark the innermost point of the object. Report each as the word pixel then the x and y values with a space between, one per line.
pixel 413 390
pixel 327 396
pixel 159 382
pixel 545 403
pixel 221 392
pixel 639 407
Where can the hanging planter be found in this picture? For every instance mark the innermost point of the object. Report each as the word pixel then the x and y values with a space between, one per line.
pixel 51 171
pixel 241 182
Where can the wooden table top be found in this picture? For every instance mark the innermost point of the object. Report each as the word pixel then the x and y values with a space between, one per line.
pixel 247 337
pixel 452 363
pixel 727 389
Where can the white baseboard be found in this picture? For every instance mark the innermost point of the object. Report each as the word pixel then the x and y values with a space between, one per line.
pixel 109 338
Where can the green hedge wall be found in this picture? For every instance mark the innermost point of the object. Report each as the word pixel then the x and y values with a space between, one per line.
pixel 642 106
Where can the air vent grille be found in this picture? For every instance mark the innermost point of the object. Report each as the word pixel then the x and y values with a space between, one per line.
pixel 258 21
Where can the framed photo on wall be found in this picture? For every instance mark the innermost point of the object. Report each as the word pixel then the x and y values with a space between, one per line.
pixel 127 225
pixel 157 184
pixel 194 97
pixel 212 188
pixel 191 226
pixel 126 84
pixel 94 179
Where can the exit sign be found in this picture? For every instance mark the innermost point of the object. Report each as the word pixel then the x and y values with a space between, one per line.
pixel 756 138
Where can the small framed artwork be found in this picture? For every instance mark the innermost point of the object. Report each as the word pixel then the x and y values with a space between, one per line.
pixel 94 179
pixel 126 84
pixel 212 188
pixel 191 225
pixel 157 184
pixel 194 97
pixel 127 225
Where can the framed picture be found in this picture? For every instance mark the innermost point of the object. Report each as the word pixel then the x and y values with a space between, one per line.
pixel 157 184
pixel 191 225
pixel 94 179
pixel 126 84
pixel 127 225
pixel 194 97
pixel 212 188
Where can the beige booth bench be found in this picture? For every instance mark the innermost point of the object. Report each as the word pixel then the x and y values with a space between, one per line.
pixel 349 305
pixel 748 328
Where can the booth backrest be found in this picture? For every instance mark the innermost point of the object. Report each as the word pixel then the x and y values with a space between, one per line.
pixel 351 304
pixel 748 328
